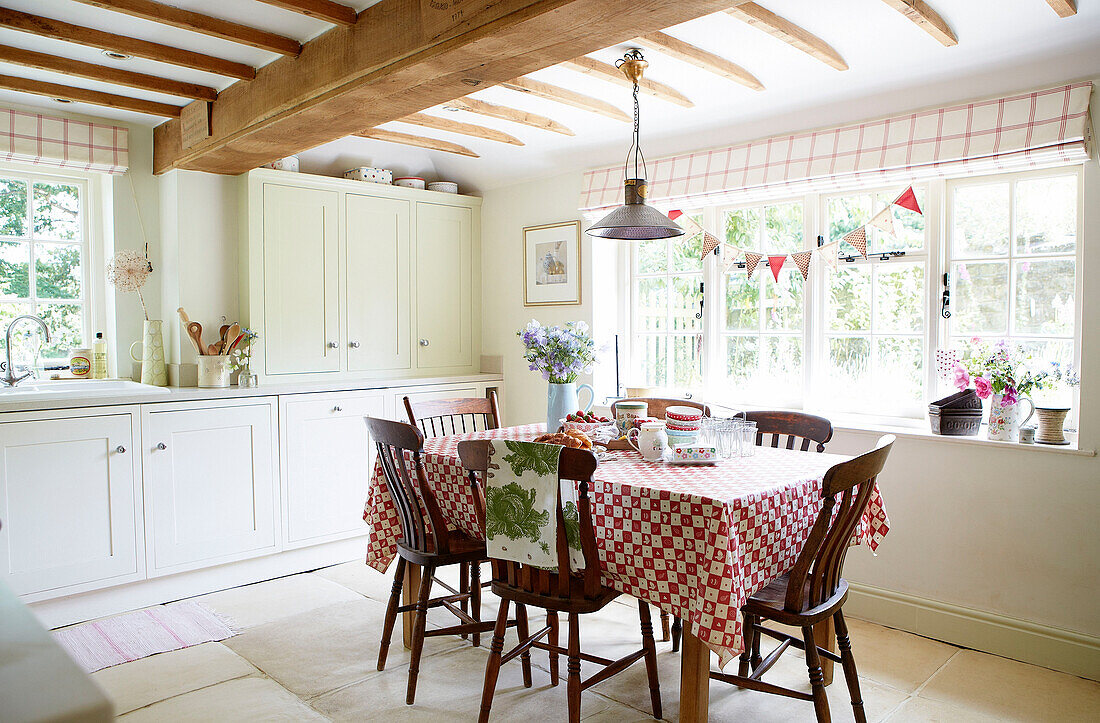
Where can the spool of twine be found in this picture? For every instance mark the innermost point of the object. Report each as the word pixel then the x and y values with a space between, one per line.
pixel 1050 425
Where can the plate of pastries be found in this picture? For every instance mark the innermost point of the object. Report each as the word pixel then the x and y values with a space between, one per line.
pixel 567 438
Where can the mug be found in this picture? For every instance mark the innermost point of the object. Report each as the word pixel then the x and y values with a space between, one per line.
pixel 627 411
pixel 650 440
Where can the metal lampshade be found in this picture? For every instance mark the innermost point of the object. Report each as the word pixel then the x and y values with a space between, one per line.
pixel 634 220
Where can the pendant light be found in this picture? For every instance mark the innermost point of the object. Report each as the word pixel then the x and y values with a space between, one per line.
pixel 634 220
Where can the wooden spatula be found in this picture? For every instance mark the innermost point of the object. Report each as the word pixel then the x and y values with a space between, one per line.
pixel 187 326
pixel 194 333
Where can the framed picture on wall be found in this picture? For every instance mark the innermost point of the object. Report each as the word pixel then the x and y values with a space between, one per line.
pixel 552 264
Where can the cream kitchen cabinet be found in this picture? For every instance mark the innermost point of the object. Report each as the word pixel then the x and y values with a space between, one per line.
pixel 348 280
pixel 69 501
pixel 210 481
pixel 327 460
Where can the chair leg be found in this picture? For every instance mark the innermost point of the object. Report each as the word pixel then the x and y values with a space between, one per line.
pixel 756 659
pixel 391 613
pixel 524 633
pixel 849 662
pixel 665 634
pixel 552 639
pixel 475 598
pixel 677 632
pixel 745 660
pixel 492 666
pixel 464 589
pixel 650 658
pixel 817 677
pixel 418 630
pixel 574 669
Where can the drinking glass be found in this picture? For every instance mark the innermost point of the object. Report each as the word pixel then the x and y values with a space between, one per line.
pixel 748 439
pixel 726 434
pixel 707 430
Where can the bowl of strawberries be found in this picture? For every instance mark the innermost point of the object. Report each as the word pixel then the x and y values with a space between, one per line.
pixel 587 422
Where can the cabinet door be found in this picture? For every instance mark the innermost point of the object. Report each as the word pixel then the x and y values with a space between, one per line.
pixel 377 278
pixel 329 459
pixel 67 489
pixel 444 281
pixel 210 485
pixel 301 281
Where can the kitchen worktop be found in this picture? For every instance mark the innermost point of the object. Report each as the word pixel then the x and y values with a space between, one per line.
pixel 73 397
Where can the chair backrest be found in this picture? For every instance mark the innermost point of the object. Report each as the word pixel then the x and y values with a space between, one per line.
pixel 793 425
pixel 659 405
pixel 422 524
pixel 575 465
pixel 816 574
pixel 438 417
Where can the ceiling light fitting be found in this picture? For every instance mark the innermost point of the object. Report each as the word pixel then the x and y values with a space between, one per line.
pixel 634 220
pixel 61 100
pixel 115 55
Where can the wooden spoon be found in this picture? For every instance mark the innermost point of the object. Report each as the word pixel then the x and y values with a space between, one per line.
pixel 230 337
pixel 187 324
pixel 194 332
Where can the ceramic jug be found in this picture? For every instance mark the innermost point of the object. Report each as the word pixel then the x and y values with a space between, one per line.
pixel 650 440
pixel 153 370
pixel 561 399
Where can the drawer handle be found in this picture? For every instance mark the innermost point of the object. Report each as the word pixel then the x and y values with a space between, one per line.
pixel 120 449
pixel 423 342
pixel 333 345
pixel 162 446
pixel 353 344
pixel 337 408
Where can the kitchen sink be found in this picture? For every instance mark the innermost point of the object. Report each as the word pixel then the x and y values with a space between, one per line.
pixel 78 388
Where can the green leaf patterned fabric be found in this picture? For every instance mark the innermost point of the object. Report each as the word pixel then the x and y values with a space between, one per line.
pixel 521 494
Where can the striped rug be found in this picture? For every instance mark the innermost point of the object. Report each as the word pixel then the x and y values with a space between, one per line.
pixel 102 643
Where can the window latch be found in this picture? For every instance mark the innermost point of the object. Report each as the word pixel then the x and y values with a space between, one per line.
pixel 699 314
pixel 945 307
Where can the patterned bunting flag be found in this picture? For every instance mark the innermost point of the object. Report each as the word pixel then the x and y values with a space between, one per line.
pixel 802 261
pixel 775 263
pixel 828 253
pixel 729 257
pixel 883 221
pixel 751 260
pixel 858 239
pixel 709 244
pixel 908 200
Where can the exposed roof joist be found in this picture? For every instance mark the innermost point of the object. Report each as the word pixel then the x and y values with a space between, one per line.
pixel 788 32
pixel 603 71
pixel 83 95
pixel 325 10
pixel 1064 8
pixel 688 53
pixel 566 97
pixel 503 112
pixel 466 129
pixel 407 139
pixel 925 18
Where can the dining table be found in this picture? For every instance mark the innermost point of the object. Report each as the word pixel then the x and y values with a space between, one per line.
pixel 694 541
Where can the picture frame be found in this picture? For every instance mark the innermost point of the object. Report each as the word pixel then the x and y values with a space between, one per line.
pixel 552 264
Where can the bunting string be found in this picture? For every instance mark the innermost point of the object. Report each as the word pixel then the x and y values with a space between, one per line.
pixel 882 222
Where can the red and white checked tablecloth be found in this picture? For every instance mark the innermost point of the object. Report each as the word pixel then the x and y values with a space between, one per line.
pixel 694 541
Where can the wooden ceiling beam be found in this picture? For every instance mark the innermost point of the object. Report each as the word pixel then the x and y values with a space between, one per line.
pixel 675 48
pixel 604 71
pixel 925 18
pixel 58 30
pixel 104 73
pixel 325 10
pixel 503 112
pixel 201 24
pixel 466 129
pixel 788 32
pixel 407 139
pixel 83 95
pixel 402 57
pixel 1064 8
pixel 566 97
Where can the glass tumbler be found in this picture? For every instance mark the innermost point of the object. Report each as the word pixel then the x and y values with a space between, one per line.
pixel 748 439
pixel 726 437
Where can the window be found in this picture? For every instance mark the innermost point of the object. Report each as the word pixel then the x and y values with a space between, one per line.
pixel 667 339
pixel 861 338
pixel 762 321
pixel 43 255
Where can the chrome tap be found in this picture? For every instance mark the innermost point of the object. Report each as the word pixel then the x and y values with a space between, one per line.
pixel 9 377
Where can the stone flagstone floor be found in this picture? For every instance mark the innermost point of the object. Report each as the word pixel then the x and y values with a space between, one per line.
pixel 310 642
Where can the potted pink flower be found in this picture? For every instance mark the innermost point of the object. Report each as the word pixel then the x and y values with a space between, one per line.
pixel 998 372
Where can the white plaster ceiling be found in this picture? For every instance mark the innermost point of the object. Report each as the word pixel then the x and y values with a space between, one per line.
pixel 894 66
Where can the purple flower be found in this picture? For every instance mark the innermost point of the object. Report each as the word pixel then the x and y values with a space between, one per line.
pixel 983 387
pixel 1009 396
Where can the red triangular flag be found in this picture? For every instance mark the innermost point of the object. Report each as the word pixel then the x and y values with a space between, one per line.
pixel 775 263
pixel 908 200
pixel 675 214
pixel 751 260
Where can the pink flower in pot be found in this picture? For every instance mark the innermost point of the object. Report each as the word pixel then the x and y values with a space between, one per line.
pixel 983 387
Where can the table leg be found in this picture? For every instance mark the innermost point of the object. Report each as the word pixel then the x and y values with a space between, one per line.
pixel 825 637
pixel 694 679
pixel 409 592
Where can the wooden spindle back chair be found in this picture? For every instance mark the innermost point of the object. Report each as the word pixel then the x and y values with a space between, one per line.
pixel 425 541
pixel 574 593
pixel 438 417
pixel 789 428
pixel 814 590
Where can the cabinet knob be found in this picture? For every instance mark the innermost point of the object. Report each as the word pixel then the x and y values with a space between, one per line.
pixel 162 446
pixel 120 449
pixel 337 408
pixel 333 345
pixel 353 344
pixel 423 342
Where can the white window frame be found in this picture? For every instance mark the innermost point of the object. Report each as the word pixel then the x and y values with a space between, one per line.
pixel 92 292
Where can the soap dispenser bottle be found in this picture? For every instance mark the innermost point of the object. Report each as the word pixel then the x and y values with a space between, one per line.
pixel 99 357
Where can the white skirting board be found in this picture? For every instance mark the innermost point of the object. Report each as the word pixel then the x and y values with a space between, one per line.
pixel 133 596
pixel 1055 648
